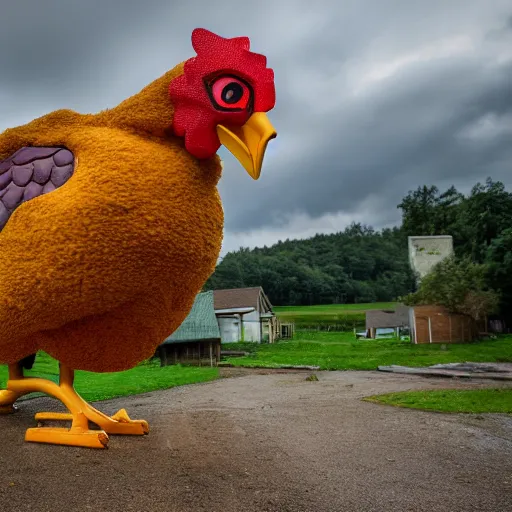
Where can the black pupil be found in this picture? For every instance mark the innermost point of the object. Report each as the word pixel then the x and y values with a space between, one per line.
pixel 232 93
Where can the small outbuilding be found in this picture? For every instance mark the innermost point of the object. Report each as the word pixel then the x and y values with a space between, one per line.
pixel 435 324
pixel 384 323
pixel 245 314
pixel 197 339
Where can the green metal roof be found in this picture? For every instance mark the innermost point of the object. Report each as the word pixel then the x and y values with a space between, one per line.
pixel 200 324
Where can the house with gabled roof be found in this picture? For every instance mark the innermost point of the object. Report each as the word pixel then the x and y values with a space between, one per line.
pixel 245 314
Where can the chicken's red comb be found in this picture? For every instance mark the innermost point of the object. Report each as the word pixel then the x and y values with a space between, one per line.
pixel 192 107
pixel 204 41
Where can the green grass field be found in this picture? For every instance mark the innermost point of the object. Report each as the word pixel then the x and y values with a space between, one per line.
pixel 339 316
pixel 332 309
pixel 145 377
pixel 466 401
pixel 341 351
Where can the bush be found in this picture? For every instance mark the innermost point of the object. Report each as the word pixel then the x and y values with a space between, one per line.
pixel 460 286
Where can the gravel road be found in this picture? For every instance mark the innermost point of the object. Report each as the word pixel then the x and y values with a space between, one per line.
pixel 270 443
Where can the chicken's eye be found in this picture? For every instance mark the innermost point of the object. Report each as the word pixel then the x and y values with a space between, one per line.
pixel 230 93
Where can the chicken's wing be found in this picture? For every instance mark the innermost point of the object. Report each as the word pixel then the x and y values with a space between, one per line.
pixel 31 172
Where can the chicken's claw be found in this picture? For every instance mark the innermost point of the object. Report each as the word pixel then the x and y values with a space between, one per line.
pixel 126 425
pixel 119 423
pixel 121 416
pixel 68 437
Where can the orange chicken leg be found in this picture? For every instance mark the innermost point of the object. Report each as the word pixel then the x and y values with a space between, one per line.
pixel 80 412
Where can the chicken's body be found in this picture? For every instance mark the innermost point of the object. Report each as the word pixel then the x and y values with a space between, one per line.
pixel 112 261
pixel 99 271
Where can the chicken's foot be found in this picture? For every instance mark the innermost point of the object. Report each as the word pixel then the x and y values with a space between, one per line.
pixel 80 413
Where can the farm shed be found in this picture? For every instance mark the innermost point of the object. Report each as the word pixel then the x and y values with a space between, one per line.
pixel 197 339
pixel 245 314
pixel 435 324
pixel 383 323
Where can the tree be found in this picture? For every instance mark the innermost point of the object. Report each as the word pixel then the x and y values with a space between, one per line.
pixel 418 211
pixel 447 217
pixel 499 261
pixel 427 212
pixel 460 286
pixel 486 213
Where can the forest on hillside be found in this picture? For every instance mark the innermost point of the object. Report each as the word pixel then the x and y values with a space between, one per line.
pixel 361 264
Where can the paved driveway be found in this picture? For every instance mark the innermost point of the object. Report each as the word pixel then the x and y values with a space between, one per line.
pixel 270 443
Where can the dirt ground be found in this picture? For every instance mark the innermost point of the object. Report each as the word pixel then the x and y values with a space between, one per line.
pixel 270 443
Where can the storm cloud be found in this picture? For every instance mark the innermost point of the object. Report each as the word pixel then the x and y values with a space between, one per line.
pixel 374 97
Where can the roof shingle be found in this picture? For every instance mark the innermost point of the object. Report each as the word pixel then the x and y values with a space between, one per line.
pixel 200 324
pixel 237 298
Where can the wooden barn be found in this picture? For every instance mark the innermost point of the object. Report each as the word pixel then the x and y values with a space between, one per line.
pixel 383 323
pixel 245 314
pixel 197 339
pixel 435 324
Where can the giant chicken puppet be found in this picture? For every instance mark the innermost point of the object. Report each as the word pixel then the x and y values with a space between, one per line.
pixel 111 223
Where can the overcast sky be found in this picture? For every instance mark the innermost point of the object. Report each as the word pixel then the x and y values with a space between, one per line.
pixel 374 97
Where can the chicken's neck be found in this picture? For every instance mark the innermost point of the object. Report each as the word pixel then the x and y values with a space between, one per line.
pixel 150 111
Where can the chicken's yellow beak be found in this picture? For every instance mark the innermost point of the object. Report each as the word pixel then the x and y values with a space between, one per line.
pixel 248 142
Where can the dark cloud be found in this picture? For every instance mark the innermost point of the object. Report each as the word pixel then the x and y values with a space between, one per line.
pixel 407 127
pixel 373 98
pixel 412 131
